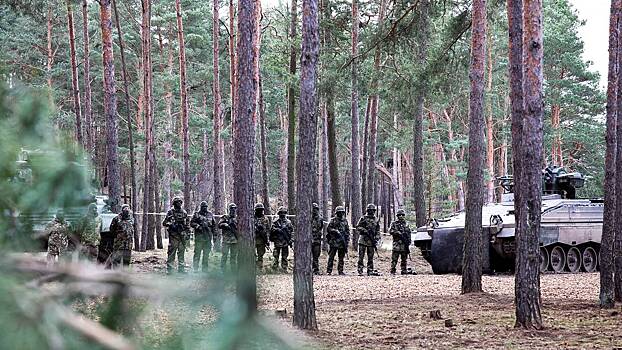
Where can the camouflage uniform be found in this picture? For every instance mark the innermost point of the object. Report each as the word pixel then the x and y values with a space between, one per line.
pixel 90 233
pixel 262 229
pixel 338 237
pixel 401 242
pixel 203 224
pixel 58 233
pixel 228 226
pixel 122 229
pixel 281 235
pixel 317 228
pixel 369 235
pixel 176 221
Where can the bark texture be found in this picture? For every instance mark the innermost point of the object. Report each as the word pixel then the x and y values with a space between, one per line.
pixel 617 250
pixel 304 302
pixel 88 127
pixel 291 110
pixel 355 192
pixel 472 258
pixel 264 152
pixel 219 155
pixel 184 105
pixel 75 87
pixel 110 108
pixel 530 186
pixel 244 147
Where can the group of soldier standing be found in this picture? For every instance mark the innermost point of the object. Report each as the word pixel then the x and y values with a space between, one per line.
pixel 279 232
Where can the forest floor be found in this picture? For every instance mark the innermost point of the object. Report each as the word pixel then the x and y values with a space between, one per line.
pixel 393 312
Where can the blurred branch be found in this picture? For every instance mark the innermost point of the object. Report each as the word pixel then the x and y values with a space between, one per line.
pixel 94 331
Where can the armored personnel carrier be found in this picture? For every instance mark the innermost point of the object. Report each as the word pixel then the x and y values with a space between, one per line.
pixel 570 234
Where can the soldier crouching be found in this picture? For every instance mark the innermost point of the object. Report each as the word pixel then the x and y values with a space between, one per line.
pixel 401 242
pixel 122 229
pixel 338 237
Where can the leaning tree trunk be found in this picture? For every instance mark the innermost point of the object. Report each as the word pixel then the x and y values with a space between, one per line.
pixel 304 302
pixel 244 148
pixel 75 87
pixel 418 181
pixel 219 156
pixel 134 190
pixel 110 108
pixel 527 239
pixel 472 256
pixel 373 115
pixel 355 197
pixel 291 110
pixel 88 127
pixel 184 104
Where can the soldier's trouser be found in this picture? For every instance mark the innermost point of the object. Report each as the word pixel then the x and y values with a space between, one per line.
pixel 395 256
pixel 316 249
pixel 89 252
pixel 217 240
pixel 121 257
pixel 201 245
pixel 341 253
pixel 370 258
pixel 261 251
pixel 176 245
pixel 284 253
pixel 229 248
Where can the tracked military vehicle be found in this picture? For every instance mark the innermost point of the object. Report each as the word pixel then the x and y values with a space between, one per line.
pixel 570 234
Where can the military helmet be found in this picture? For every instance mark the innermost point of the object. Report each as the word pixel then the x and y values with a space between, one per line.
pixel 259 206
pixel 232 206
pixel 203 204
pixel 282 210
pixel 125 206
pixel 340 209
pixel 315 206
pixel 177 199
pixel 400 212
pixel 371 206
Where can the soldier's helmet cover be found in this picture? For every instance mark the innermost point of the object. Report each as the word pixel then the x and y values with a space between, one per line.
pixel 232 206
pixel 177 200
pixel 259 206
pixel 371 206
pixel 203 204
pixel 400 212
pixel 340 209
pixel 282 210
pixel 315 206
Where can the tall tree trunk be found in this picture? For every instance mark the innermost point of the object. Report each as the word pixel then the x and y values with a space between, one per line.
pixel 472 258
pixel 75 87
pixel 88 127
pixel 556 152
pixel 283 160
pixel 246 85
pixel 304 301
pixel 232 58
pixel 364 148
pixel 50 53
pixel 134 192
pixel 617 253
pixel 355 198
pixel 184 104
pixel 219 155
pixel 490 144
pixel 148 110
pixel 398 197
pixel 373 113
pixel 110 108
pixel 264 151
pixel 170 125
pixel 291 110
pixel 418 181
pixel 530 185
pixel 333 165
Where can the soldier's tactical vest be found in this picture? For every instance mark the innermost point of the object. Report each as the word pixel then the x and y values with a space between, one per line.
pixel 317 226
pixel 262 230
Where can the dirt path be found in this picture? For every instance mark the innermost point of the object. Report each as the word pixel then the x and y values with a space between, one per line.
pixel 393 312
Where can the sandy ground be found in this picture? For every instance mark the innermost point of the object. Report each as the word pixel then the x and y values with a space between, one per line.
pixel 393 312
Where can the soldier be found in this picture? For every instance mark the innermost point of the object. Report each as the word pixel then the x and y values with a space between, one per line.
pixel 203 224
pixel 176 221
pixel 317 228
pixel 262 229
pixel 338 237
pixel 401 241
pixel 229 225
pixel 281 235
pixel 90 233
pixel 122 229
pixel 369 235
pixel 57 231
